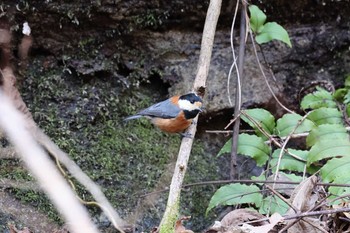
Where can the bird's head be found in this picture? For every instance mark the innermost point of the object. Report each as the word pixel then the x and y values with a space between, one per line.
pixel 191 105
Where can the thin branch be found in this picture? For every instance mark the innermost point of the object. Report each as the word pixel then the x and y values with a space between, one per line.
pixel 237 110
pixel 171 213
pixel 285 144
pixel 272 138
pixel 263 73
pixel 282 198
pixel 220 182
pixel 234 63
pixel 317 213
pixel 305 214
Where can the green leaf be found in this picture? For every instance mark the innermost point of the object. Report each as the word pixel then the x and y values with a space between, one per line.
pixel 261 116
pixel 337 171
pixel 288 163
pixel 327 132
pixel 254 147
pixel 318 99
pixel 339 191
pixel 340 93
pixel 257 18
pixel 348 109
pixel 226 148
pixel 288 122
pixel 293 177
pixel 273 204
pixel 249 145
pixel 327 149
pixel 273 31
pixel 233 194
pixel 326 116
pixel 347 97
pixel 347 81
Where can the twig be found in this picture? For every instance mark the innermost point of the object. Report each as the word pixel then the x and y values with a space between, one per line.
pixel 237 110
pixel 316 213
pixel 219 182
pixel 234 63
pixel 171 213
pixel 305 214
pixel 271 138
pixel 263 73
pixel 285 144
pixel 282 198
pixel 232 121
pixel 228 132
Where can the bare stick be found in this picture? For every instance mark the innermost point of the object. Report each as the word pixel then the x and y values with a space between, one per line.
pixel 265 78
pixel 14 125
pixel 171 213
pixel 234 63
pixel 238 91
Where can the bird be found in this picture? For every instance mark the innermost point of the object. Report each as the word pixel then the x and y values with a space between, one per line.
pixel 173 115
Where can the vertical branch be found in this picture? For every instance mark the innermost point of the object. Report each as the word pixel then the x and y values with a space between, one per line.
pixel 167 224
pixel 242 37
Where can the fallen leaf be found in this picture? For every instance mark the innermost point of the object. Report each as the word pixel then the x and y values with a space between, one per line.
pixel 301 197
pixel 303 200
pixel 179 228
pixel 274 220
pixel 232 221
pixel 240 216
pixel 13 229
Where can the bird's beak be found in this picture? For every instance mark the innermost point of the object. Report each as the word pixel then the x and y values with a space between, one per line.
pixel 199 106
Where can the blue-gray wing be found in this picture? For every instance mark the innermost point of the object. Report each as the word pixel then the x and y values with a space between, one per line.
pixel 164 109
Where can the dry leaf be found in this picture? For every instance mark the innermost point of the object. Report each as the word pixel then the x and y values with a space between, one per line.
pixel 301 197
pixel 274 220
pixel 282 188
pixel 179 228
pixel 13 229
pixel 304 200
pixel 232 221
pixel 240 216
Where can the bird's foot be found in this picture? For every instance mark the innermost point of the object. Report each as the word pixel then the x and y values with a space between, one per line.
pixel 186 135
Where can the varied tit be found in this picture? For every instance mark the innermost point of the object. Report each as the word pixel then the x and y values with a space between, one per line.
pixel 173 115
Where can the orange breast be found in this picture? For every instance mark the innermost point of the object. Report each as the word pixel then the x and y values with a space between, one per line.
pixel 174 125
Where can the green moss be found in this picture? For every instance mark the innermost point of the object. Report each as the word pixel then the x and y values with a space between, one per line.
pixel 152 19
pixel 168 225
pixel 85 119
pixel 12 169
pixel 39 201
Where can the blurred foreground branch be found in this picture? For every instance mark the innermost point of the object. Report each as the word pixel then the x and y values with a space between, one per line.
pixel 12 122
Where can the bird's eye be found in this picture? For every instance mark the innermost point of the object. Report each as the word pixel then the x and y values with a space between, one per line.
pixel 192 101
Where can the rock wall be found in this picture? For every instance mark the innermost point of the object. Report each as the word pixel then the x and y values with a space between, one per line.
pixel 128 39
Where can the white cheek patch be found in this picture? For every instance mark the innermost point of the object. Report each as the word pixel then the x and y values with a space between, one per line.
pixel 186 105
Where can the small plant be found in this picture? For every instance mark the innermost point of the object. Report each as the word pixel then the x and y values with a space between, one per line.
pixel 323 129
pixel 266 32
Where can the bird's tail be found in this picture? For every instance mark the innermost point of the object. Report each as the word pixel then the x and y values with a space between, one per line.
pixel 132 117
